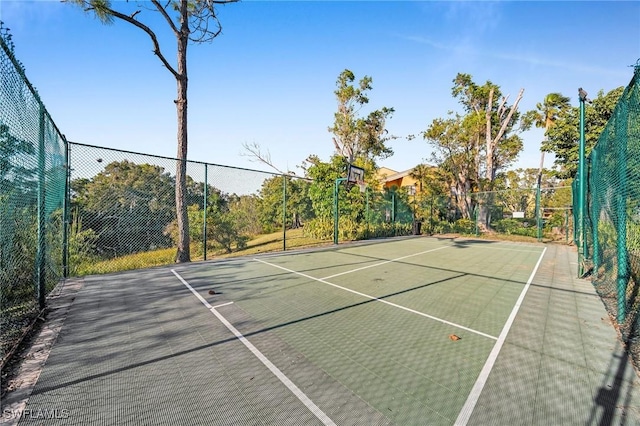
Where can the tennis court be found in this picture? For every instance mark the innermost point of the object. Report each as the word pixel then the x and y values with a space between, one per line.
pixel 406 331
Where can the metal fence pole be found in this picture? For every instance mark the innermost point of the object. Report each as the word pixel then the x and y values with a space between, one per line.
pixel 393 207
pixel 65 211
pixel 204 213
pixel 366 213
pixel 581 189
pixel 393 212
pixel 431 216
pixel 284 213
pixel 475 219
pixel 538 212
pixel 566 227
pixel 42 240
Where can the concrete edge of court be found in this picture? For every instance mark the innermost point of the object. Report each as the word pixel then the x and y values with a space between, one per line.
pixel 27 369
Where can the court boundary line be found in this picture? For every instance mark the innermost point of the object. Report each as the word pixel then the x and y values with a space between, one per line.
pixel 507 248
pixel 275 370
pixel 323 281
pixel 384 263
pixel 222 304
pixel 474 395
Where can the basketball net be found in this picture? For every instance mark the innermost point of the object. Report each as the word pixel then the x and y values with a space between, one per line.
pixel 362 185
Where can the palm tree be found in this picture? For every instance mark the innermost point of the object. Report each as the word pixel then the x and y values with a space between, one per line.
pixel 546 115
pixel 420 173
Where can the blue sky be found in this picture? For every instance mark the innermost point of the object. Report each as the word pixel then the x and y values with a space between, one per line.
pixel 269 78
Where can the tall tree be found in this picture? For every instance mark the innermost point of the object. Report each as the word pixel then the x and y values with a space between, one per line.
pixel 354 136
pixel 189 21
pixel 491 118
pixel 456 153
pixel 477 144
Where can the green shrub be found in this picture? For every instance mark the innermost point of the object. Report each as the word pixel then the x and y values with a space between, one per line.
pixel 515 227
pixel 438 227
pixel 507 226
pixel 464 226
pixel 319 228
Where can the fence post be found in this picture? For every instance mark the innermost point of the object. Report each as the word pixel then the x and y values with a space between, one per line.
pixel 42 241
pixel 566 226
pixel 393 212
pixel 65 210
pixel 366 213
pixel 475 219
pixel 538 213
pixel 393 207
pixel 284 213
pixel 431 216
pixel 204 213
pixel 581 188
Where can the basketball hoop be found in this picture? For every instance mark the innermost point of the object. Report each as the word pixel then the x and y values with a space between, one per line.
pixel 355 176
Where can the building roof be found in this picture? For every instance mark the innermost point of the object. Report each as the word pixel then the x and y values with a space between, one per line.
pixel 397 175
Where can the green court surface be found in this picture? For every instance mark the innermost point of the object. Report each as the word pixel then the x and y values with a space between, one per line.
pixel 410 331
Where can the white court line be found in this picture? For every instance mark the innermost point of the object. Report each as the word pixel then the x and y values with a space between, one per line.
pixel 462 327
pixel 507 248
pixel 472 399
pixel 223 304
pixel 279 374
pixel 384 263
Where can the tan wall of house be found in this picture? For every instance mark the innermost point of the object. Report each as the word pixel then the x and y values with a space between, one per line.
pixel 402 180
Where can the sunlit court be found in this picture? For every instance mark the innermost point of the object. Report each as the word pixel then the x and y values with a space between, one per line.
pixel 393 332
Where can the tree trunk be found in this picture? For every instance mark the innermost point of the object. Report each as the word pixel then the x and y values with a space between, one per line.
pixel 492 142
pixel 489 144
pixel 183 254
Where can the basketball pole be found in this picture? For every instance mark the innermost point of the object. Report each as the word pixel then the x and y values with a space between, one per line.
pixel 335 209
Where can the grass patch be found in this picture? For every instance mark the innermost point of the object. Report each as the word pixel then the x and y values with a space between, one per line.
pixel 261 244
pixel 274 242
pixel 266 243
pixel 126 263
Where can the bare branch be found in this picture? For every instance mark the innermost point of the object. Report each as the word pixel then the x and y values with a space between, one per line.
pixel 505 123
pixel 104 9
pixel 488 122
pixel 256 153
pixel 202 13
pixel 163 12
pixel 501 107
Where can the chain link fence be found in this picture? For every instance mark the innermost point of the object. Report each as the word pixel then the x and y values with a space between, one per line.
pixel 33 175
pixel 612 227
pixel 544 214
pixel 123 210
